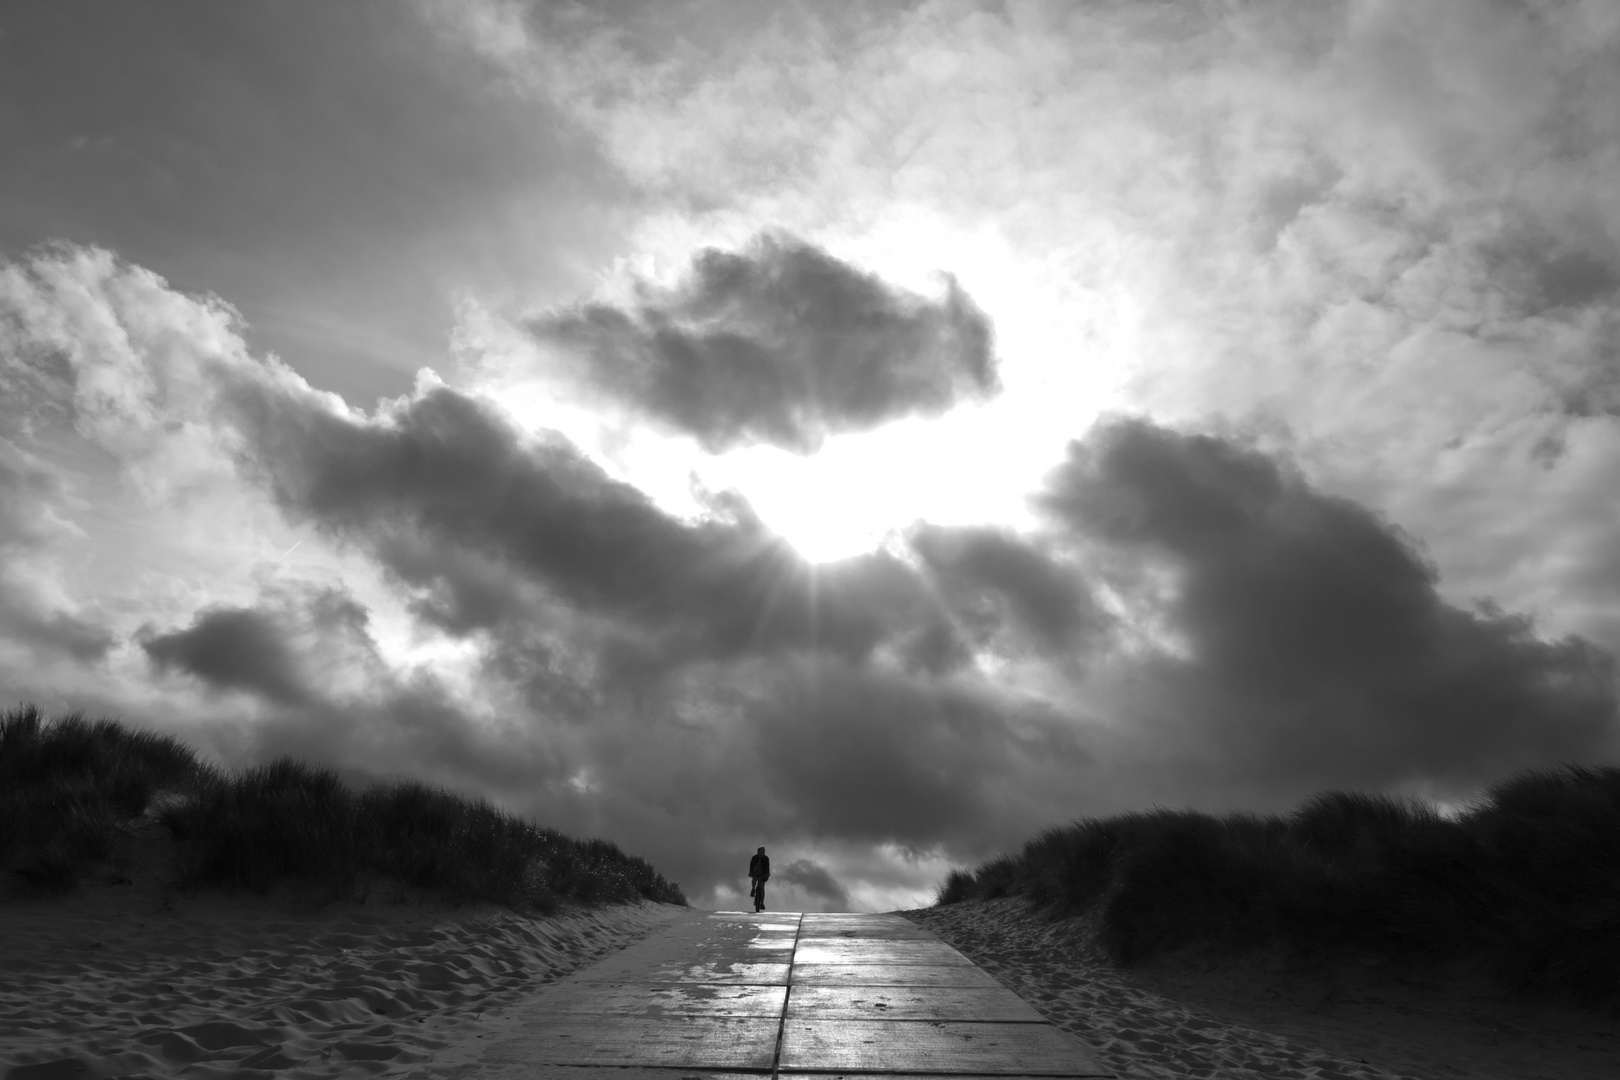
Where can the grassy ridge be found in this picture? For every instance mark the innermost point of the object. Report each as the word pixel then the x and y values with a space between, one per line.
pixel 70 790
pixel 1527 881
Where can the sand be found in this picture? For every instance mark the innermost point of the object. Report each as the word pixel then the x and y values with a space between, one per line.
pixel 1196 1014
pixel 130 977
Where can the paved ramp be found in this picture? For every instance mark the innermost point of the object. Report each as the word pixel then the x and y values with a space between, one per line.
pixel 737 994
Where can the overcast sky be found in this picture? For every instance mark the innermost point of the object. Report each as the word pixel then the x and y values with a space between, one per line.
pixel 873 431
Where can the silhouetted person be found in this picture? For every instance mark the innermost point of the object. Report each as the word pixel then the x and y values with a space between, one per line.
pixel 759 872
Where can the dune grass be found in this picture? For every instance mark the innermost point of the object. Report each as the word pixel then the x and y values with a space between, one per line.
pixel 71 790
pixel 1526 881
pixel 66 788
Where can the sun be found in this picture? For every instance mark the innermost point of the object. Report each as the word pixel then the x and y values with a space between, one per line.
pixel 825 509
pixel 859 490
pixel 828 525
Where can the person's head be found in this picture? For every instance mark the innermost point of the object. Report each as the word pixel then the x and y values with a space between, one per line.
pixel 762 851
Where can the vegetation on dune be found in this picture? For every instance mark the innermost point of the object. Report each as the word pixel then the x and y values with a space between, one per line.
pixel 66 786
pixel 71 791
pixel 1526 882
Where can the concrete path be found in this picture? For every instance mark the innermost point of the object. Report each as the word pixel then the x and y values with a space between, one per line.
pixel 734 994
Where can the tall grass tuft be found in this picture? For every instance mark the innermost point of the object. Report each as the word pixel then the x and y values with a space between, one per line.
pixel 65 785
pixel 1526 882
pixel 69 790
pixel 272 823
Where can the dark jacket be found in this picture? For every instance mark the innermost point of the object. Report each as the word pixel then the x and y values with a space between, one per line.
pixel 760 867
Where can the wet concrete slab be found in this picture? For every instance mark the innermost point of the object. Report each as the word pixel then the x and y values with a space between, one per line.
pixel 911 1046
pixel 764 918
pixel 825 923
pixel 701 1000
pixel 729 953
pixel 705 950
pixel 910 1003
pixel 687 999
pixel 699 971
pixel 521 1071
pixel 865 928
pixel 890 975
pixel 704 1042
pixel 865 933
pixel 835 951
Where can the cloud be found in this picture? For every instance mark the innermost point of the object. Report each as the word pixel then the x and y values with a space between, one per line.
pixel 814 879
pixel 780 343
pixel 885 756
pixel 459 503
pixel 308 658
pixel 104 352
pixel 366 155
pixel 1308 637
pixel 249 649
pixel 993 580
pixel 55 634
pixel 34 615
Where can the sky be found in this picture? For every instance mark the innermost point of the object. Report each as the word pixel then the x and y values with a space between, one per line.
pixel 874 432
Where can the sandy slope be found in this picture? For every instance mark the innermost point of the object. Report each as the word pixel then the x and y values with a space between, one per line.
pixel 134 978
pixel 1197 1015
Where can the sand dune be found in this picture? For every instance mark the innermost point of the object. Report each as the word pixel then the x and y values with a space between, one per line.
pixel 135 979
pixel 1200 1016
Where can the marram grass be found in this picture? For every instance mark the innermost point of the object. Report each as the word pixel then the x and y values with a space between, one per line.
pixel 1525 883
pixel 71 788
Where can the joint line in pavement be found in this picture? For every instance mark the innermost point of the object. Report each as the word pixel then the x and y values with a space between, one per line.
pixel 781 1027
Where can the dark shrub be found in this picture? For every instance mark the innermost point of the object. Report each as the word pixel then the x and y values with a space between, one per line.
pixel 957 887
pixel 1183 878
pixel 68 786
pixel 277 821
pixel 1343 824
pixel 1525 882
pixel 996 877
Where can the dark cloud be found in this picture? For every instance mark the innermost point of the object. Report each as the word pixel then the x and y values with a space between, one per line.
pixel 887 757
pixel 993 580
pixel 1317 644
pixel 1540 271
pixel 1567 277
pixel 253 649
pixel 57 633
pixel 781 343
pixel 308 653
pixel 1577 278
pixel 819 756
pixel 814 879
pixel 460 504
